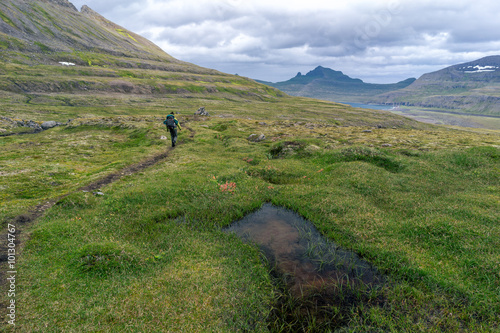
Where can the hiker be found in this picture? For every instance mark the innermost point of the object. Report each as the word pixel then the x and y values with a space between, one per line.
pixel 172 125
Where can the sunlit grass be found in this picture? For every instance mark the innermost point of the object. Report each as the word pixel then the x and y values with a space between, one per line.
pixel 420 205
pixel 46 165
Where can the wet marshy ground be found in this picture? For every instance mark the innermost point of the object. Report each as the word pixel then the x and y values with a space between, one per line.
pixel 322 286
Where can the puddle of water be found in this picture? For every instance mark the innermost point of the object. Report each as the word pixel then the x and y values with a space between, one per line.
pixel 317 273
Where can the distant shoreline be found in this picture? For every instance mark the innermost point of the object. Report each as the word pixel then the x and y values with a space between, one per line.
pixel 390 108
pixel 435 116
pixel 455 113
pixel 368 106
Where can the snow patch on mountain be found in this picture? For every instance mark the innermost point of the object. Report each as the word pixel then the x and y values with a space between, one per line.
pixel 479 69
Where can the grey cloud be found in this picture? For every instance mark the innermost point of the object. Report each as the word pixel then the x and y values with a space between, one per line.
pixel 179 13
pixel 359 37
pixel 211 36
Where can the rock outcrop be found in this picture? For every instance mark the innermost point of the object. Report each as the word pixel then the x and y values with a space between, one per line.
pixel 202 112
pixel 256 138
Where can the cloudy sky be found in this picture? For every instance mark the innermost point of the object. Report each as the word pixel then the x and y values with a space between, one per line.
pixel 378 41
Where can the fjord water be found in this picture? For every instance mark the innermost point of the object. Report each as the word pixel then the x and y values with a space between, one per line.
pixel 438 117
pixel 316 272
pixel 369 106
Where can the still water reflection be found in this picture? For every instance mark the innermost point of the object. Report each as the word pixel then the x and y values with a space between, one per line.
pixel 295 249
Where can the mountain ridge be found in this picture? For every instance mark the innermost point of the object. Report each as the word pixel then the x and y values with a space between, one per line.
pixel 50 26
pixel 321 72
pixel 328 84
pixel 38 37
pixel 472 87
pixel 67 63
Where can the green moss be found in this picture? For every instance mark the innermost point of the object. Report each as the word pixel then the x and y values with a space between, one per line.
pixel 124 33
pixel 47 16
pixel 6 19
pixel 16 43
pixel 128 74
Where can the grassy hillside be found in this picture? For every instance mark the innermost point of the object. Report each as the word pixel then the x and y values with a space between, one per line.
pixel 101 58
pixel 473 88
pixel 114 231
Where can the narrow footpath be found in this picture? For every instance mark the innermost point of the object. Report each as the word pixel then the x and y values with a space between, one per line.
pixel 23 221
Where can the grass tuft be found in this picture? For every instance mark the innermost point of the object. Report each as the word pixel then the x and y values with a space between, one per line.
pixel 104 258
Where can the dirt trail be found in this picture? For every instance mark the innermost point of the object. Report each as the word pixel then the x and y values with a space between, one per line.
pixel 21 222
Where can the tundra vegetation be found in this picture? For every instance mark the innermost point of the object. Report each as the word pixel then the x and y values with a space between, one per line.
pixel 419 202
pixel 146 251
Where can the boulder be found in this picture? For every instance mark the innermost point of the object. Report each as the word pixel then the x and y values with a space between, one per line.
pixel 202 112
pixel 256 138
pixel 48 124
pixel 33 125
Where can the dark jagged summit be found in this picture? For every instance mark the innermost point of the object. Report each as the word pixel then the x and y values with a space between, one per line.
pixel 64 3
pixel 322 73
pixel 329 84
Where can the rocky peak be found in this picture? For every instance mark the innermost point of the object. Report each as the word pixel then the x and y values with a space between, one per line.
pixel 89 11
pixel 63 3
pixel 330 74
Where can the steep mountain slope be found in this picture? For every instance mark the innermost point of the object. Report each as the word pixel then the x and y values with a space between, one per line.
pixel 48 26
pixel 325 83
pixel 472 87
pixel 50 47
pixel 57 61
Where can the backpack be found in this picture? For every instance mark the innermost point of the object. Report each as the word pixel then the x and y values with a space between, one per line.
pixel 170 121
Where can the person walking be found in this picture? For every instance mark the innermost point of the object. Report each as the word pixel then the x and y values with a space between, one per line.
pixel 172 125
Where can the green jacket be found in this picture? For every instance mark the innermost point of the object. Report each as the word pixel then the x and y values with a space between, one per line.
pixel 175 120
